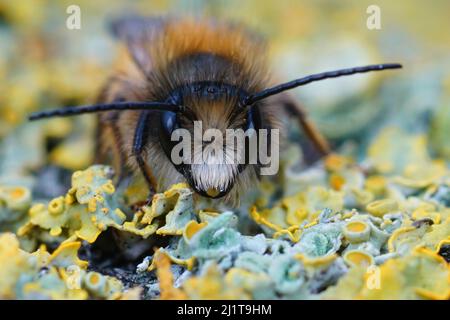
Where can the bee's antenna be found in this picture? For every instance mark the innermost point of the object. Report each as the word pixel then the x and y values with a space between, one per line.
pixel 316 77
pixel 72 111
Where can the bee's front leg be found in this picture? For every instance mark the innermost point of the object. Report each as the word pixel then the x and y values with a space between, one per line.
pixel 138 146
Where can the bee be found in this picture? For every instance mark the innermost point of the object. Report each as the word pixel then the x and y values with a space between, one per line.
pixel 176 71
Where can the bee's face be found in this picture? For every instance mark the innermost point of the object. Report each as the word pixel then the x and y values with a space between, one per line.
pixel 210 142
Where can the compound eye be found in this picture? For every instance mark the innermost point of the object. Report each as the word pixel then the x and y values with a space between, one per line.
pixel 169 123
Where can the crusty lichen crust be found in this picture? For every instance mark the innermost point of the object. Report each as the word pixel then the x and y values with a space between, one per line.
pixel 374 232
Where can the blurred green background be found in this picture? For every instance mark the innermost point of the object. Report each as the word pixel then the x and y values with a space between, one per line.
pixel 43 64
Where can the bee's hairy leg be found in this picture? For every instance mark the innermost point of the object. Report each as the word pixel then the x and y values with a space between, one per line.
pixel 295 109
pixel 138 147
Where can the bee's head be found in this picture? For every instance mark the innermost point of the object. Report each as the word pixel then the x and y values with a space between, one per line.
pixel 208 142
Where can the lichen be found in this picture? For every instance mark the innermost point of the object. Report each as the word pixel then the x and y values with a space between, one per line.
pixel 86 210
pixel 320 242
pixel 57 275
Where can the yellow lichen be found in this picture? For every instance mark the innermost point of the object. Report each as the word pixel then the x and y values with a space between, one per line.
pixel 397 234
pixel 358 258
pixel 381 207
pixel 321 261
pixel 192 228
pixel 213 286
pixel 376 184
pixel 165 277
pixel 56 206
pixel 356 231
